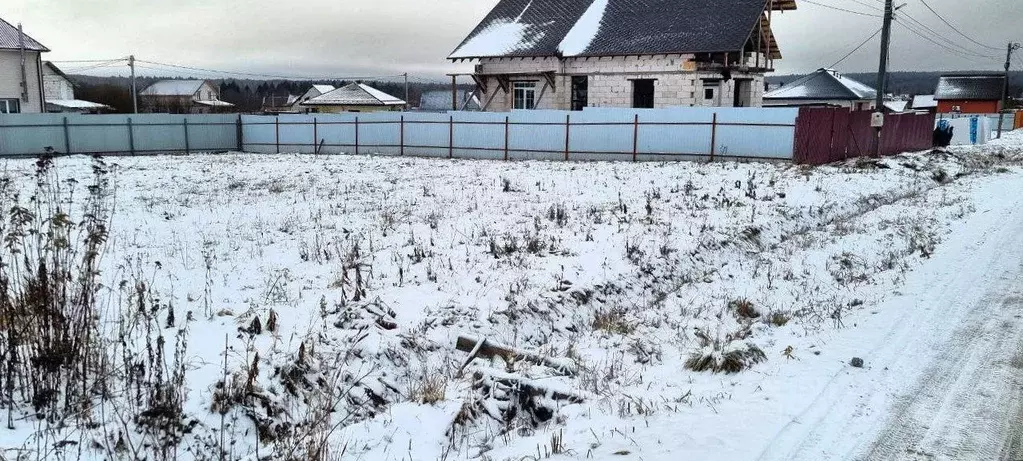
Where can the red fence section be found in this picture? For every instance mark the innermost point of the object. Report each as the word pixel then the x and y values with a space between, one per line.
pixel 825 135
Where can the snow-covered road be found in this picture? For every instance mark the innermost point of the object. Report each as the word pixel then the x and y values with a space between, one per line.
pixel 944 360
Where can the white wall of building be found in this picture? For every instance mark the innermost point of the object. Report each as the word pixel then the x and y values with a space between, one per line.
pixel 55 86
pixel 10 79
pixel 610 82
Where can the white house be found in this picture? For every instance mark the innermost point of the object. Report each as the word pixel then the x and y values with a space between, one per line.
pixel 355 97
pixel 571 54
pixel 825 88
pixel 21 71
pixel 59 91
pixel 182 97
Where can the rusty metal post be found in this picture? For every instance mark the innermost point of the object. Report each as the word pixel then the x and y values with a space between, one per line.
pixel 356 135
pixel 713 135
pixel 506 123
pixel 277 133
pixel 635 138
pixel 316 136
pixel 568 128
pixel 451 136
pixel 401 136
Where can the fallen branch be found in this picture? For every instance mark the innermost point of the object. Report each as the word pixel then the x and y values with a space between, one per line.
pixel 489 349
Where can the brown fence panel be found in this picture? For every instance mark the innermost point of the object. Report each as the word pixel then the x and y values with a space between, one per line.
pixel 813 135
pixel 825 135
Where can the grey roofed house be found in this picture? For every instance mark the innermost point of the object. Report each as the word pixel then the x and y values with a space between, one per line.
pixel 355 94
pixel 825 84
pixel 10 39
pixel 973 87
pixel 528 28
pixel 923 102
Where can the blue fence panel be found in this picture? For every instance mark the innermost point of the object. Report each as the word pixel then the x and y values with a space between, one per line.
pixel 213 132
pixel 380 133
pixel 427 134
pixel 153 133
pixel 602 135
pixel 674 134
pixel 297 133
pixel 259 134
pixel 764 133
pixel 480 135
pixel 100 134
pixel 30 134
pixel 543 139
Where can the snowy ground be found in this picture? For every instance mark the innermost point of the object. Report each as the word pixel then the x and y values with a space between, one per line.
pixel 363 272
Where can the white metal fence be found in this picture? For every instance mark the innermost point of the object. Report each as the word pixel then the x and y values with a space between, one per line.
pixel 593 134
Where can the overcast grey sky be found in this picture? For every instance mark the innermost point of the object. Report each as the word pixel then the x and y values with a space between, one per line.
pixel 341 38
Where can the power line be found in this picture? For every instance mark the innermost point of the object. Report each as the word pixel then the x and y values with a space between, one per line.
pixel 861 45
pixel 949 24
pixel 254 74
pixel 842 9
pixel 925 37
pixel 869 6
pixel 88 60
pixel 934 33
pixel 97 66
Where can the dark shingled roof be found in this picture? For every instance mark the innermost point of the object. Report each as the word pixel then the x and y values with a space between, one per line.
pixel 10 39
pixel 977 87
pixel 517 28
pixel 824 84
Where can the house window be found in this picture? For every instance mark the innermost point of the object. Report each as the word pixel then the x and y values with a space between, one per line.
pixel 711 92
pixel 643 94
pixel 10 106
pixel 525 95
pixel 580 92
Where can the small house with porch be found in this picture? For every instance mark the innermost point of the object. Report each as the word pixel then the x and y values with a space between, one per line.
pixel 183 97
pixel 572 54
pixel 355 97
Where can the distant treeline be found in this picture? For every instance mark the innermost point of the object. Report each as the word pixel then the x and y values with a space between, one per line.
pixel 908 83
pixel 246 95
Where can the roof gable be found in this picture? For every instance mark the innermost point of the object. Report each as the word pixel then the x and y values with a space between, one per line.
pixel 611 28
pixel 824 84
pixel 173 88
pixel 10 39
pixel 355 94
pixel 979 87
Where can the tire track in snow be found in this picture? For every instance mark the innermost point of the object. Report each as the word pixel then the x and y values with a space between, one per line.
pixel 951 341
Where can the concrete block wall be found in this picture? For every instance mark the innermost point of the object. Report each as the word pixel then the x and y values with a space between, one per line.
pixel 610 81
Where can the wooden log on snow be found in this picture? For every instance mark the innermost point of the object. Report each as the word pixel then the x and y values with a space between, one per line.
pixel 489 349
pixel 526 386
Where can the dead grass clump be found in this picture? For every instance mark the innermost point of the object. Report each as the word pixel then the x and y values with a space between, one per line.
pixel 743 308
pixel 429 389
pixel 613 321
pixel 733 359
pixel 778 318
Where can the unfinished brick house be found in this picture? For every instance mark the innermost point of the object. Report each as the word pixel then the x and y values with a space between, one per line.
pixel 571 54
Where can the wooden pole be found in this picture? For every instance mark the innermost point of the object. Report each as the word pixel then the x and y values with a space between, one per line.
pixel 713 135
pixel 454 92
pixel 635 138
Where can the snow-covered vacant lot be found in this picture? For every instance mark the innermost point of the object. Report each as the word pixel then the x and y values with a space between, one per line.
pixel 301 307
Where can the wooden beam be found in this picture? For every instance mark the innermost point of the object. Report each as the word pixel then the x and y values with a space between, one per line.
pixel 550 80
pixel 490 349
pixel 481 82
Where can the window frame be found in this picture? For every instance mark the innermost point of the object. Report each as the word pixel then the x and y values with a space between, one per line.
pixel 7 103
pixel 579 94
pixel 527 99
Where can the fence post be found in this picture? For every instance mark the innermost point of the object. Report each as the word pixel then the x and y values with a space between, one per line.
pixel 568 125
pixel 277 133
pixel 401 136
pixel 635 137
pixel 239 133
pixel 713 135
pixel 188 146
pixel 451 136
pixel 316 137
pixel 67 138
pixel 356 135
pixel 506 123
pixel 131 137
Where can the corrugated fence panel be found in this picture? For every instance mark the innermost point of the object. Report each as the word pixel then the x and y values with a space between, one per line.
pixel 336 133
pixel 213 132
pixel 479 135
pixel 30 134
pixel 297 133
pixel 661 140
pixel 159 133
pixel 99 134
pixel 427 134
pixel 380 133
pixel 543 139
pixel 602 135
pixel 763 134
pixel 258 134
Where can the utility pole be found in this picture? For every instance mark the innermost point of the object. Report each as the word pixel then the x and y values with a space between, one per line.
pixel 134 90
pixel 882 75
pixel 406 91
pixel 1005 87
